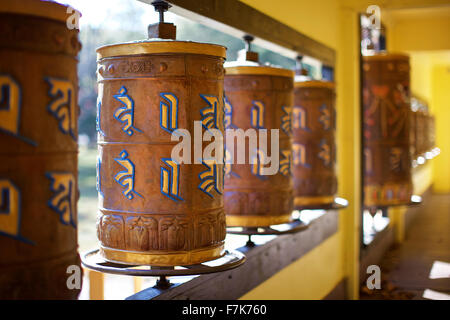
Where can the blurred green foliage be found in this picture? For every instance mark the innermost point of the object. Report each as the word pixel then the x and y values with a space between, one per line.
pixel 94 37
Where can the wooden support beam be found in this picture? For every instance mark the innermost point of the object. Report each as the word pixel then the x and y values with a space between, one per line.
pixel 237 19
pixel 96 285
pixel 262 263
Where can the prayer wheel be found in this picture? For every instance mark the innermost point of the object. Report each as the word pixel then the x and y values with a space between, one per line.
pixel 314 146
pixel 38 152
pixel 154 209
pixel 386 112
pixel 258 98
pixel 421 132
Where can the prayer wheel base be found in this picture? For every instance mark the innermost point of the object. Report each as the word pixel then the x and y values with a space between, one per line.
pixel 294 226
pixel 257 221
pixel 320 203
pixel 308 201
pixel 229 260
pixel 167 259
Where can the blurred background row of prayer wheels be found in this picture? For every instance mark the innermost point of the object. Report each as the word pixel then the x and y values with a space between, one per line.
pixel 422 133
pixel 398 131
pixel 38 152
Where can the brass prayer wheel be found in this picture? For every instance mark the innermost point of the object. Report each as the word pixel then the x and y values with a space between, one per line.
pixel 38 151
pixel 154 210
pixel 386 112
pixel 314 146
pixel 258 97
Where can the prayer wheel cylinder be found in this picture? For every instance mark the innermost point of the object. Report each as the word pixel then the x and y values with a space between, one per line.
pixel 412 134
pixel 154 210
pixel 38 152
pixel 420 132
pixel 314 146
pixel 258 97
pixel 386 102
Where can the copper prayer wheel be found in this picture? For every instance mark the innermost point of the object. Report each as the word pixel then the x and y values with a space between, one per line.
pixel 154 210
pixel 421 132
pixel 314 146
pixel 259 97
pixel 38 143
pixel 386 102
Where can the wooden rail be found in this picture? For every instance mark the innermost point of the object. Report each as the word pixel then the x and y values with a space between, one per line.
pixel 237 19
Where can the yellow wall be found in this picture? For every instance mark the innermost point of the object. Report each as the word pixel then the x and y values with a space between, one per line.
pixel 316 19
pixel 421 75
pixel 311 277
pixel 441 106
pixel 421 29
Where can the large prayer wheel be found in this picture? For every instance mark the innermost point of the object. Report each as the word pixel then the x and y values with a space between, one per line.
pixel 386 101
pixel 258 97
pixel 155 210
pixel 314 146
pixel 38 152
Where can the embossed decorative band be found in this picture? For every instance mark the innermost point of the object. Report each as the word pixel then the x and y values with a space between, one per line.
pixel 259 70
pixel 386 56
pixel 148 46
pixel 257 221
pixel 299 201
pixel 157 258
pixel 314 84
pixel 389 194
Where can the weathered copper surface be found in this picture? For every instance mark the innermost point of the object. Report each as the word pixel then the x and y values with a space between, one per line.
pixel 251 199
pixel 153 210
pixel 314 146
pixel 413 134
pixel 431 132
pixel 386 101
pixel 38 153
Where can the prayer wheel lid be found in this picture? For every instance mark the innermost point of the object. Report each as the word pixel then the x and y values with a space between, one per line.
pixel 314 84
pixel 248 64
pixel 385 56
pixel 253 68
pixel 37 8
pixel 155 46
pixel 161 40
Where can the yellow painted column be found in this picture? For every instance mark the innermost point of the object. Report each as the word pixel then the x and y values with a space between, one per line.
pixel 441 107
pixel 96 285
pixel 349 144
